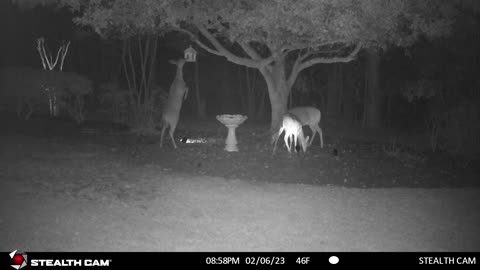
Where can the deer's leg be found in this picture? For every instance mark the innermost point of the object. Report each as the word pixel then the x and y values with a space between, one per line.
pixel 321 136
pixel 294 142
pixel 171 131
pixel 313 128
pixel 186 93
pixel 286 138
pixel 164 126
pixel 320 133
pixel 317 129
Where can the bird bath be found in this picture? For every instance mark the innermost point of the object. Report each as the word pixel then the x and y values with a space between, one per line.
pixel 231 122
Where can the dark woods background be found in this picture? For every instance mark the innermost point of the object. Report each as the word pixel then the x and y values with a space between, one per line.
pixel 432 88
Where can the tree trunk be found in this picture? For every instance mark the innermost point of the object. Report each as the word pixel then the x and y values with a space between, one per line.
pixel 278 100
pixel 278 91
pixel 373 101
pixel 250 81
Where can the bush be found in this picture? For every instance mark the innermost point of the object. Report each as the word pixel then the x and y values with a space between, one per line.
pixel 452 121
pixel 26 87
pixel 23 87
pixel 458 130
pixel 122 105
pixel 72 89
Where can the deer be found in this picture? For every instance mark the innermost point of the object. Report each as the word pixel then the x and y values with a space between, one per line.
pixel 309 116
pixel 292 127
pixel 178 92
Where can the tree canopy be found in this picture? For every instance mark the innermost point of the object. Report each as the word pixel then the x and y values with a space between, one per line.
pixel 280 38
pixel 279 25
pixel 297 23
pixel 324 31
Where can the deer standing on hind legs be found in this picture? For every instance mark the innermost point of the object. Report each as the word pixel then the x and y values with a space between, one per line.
pixel 177 94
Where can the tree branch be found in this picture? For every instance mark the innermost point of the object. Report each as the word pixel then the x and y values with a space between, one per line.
pixel 196 40
pixel 328 60
pixel 143 60
pixel 256 60
pixel 294 73
pixel 226 53
pixel 220 50
pixel 254 55
pixel 250 51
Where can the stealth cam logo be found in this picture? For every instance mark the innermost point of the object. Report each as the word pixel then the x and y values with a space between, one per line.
pixel 19 260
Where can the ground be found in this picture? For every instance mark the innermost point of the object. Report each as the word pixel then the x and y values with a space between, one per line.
pixel 98 188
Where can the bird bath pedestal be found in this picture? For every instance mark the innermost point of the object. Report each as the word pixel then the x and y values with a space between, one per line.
pixel 231 122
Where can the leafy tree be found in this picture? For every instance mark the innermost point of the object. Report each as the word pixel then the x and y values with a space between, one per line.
pixel 280 38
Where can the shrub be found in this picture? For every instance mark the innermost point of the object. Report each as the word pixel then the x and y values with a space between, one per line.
pixel 72 89
pixel 30 88
pixel 23 87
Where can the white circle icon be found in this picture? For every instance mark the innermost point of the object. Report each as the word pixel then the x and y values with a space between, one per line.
pixel 333 260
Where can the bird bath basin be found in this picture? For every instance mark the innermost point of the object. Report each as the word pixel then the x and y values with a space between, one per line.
pixel 231 121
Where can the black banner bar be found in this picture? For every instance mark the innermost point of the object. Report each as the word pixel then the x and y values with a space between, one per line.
pixel 299 260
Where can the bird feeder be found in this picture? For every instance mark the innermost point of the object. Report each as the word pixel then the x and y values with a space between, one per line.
pixel 190 54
